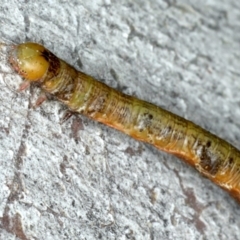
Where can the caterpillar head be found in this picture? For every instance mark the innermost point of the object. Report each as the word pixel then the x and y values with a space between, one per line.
pixel 30 61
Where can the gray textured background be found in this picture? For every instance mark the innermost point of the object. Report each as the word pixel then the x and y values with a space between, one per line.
pixel 82 180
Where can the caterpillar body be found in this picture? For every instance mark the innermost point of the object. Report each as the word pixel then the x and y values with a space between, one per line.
pixel 213 157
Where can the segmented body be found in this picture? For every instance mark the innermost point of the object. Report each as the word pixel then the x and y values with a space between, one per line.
pixel 210 155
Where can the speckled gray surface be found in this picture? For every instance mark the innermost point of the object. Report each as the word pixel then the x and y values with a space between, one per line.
pixel 82 180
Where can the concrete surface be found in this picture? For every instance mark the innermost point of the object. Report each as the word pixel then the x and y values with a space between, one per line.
pixel 82 180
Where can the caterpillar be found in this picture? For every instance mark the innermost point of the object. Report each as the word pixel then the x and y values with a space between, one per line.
pixel 211 156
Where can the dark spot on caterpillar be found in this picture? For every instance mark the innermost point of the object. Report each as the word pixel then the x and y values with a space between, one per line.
pixel 147 119
pixel 90 111
pixel 208 161
pixel 168 129
pixel 208 144
pixel 230 160
pixel 46 54
pixel 150 139
pixel 54 63
pixel 64 95
pixel 150 131
pixel 148 115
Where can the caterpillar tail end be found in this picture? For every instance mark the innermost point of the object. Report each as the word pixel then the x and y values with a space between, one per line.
pixel 29 61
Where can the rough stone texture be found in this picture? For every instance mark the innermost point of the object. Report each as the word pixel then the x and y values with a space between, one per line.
pixel 82 180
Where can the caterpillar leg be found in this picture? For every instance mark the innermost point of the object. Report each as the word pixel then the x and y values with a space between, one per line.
pixel 40 100
pixel 23 86
pixel 68 114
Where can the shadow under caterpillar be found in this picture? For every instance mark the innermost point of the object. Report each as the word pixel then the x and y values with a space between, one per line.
pixel 210 155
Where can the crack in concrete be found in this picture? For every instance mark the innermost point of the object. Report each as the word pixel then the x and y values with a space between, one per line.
pixel 13 222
